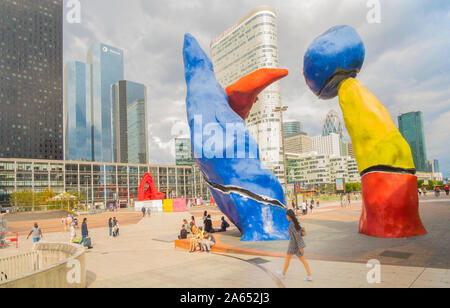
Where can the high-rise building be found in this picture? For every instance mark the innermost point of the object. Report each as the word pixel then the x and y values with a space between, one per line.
pixel 333 125
pixel 327 145
pixel 436 166
pixel 247 46
pixel 137 132
pixel 298 144
pixel 433 166
pixel 350 150
pixel 293 128
pixel 183 152
pixel 31 99
pixel 411 127
pixel 107 69
pixel 130 141
pixel 77 104
pixel 318 169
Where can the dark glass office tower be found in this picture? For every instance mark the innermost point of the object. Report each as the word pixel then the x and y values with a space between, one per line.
pixel 31 102
pixel 130 122
pixel 411 127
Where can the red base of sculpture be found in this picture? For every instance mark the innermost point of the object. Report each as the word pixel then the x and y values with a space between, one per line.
pixel 390 206
pixel 151 193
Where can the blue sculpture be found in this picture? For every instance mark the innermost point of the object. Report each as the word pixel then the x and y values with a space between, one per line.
pixel 246 191
pixel 336 55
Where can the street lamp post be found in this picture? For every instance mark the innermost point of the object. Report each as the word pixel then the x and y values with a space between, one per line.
pixel 87 178
pixel 281 110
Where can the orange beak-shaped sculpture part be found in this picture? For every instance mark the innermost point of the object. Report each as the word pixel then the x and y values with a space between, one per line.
pixel 244 93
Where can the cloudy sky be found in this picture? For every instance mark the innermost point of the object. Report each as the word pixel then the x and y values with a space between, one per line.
pixel 407 56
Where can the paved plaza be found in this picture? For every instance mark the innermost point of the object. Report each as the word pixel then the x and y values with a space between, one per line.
pixel 144 254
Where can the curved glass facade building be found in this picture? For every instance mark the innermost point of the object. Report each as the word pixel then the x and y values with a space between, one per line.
pixel 249 45
pixel 333 124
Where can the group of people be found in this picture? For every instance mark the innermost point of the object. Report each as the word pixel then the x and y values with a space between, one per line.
pixel 201 238
pixel 37 234
pixel 113 225
pixel 146 211
pixel 308 205
pixel 69 222
pixel 437 191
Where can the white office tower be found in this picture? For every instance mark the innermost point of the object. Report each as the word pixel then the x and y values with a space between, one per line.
pixel 247 46
pixel 328 145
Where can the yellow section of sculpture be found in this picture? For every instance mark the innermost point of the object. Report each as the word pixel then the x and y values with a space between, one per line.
pixel 376 140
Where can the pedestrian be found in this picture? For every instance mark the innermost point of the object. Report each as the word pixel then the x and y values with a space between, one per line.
pixel 318 203
pixel 64 222
pixel 224 225
pixel 143 211
pixel 447 189
pixel 311 207
pixel 37 233
pixel 85 239
pixel 296 246
pixel 116 229
pixel 183 233
pixel 110 226
pixel 193 238
pixel 208 224
pixel 186 226
pixel 304 208
pixel 149 212
pixel 420 192
pixel 208 242
pixel 205 216
pixel 73 233
pixel 437 191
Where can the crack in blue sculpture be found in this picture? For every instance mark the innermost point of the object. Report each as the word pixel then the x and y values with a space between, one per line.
pixel 246 191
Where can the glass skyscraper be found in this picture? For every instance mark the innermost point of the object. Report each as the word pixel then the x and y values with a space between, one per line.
pixel 293 128
pixel 411 127
pixel 333 124
pixel 107 69
pixel 183 152
pixel 31 101
pixel 78 112
pixel 137 132
pixel 129 122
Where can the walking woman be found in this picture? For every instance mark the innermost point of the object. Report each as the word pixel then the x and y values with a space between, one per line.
pixel 296 246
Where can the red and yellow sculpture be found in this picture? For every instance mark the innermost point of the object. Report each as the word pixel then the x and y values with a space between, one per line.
pixel 385 162
pixel 151 193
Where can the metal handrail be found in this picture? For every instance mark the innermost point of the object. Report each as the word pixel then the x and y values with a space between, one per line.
pixel 15 266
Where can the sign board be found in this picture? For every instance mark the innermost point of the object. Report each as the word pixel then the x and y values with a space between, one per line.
pixel 153 205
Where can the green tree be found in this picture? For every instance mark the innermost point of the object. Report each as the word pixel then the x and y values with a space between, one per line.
pixel 23 198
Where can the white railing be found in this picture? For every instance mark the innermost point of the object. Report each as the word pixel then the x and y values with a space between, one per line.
pixel 15 266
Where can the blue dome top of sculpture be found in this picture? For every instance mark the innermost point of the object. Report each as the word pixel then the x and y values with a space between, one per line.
pixel 334 56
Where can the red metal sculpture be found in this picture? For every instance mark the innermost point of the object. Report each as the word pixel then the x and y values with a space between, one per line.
pixel 151 193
